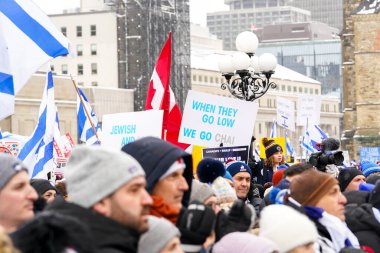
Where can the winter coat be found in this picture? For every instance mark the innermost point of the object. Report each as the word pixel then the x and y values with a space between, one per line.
pixel 156 156
pixel 263 174
pixel 362 222
pixel 106 235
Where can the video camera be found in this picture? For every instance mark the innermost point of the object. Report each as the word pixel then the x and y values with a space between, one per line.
pixel 328 154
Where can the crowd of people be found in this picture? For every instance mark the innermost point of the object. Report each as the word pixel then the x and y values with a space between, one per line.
pixel 146 198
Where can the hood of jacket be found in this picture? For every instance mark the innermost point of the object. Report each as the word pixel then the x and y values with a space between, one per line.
pixel 156 156
pixel 361 218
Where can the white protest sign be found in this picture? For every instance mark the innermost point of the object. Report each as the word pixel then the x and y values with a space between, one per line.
pixel 209 120
pixel 285 113
pixel 309 110
pixel 122 128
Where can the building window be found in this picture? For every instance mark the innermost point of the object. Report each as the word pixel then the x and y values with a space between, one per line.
pixel 64 69
pixel 200 79
pixel 217 79
pixel 79 31
pixel 206 79
pixel 194 78
pixel 283 87
pixel 94 68
pixel 80 84
pixel 93 30
pixel 52 68
pixel 64 30
pixel 289 88
pixel 316 91
pixel 294 89
pixel 311 91
pixel 259 128
pixel 79 50
pixel 93 49
pixel 211 79
pixel 94 83
pixel 80 69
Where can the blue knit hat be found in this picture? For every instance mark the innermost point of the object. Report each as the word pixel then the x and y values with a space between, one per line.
pixel 236 167
pixel 369 168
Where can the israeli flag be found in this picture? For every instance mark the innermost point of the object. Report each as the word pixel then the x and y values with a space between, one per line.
pixel 37 152
pixel 289 148
pixel 28 39
pixel 85 131
pixel 313 135
pixel 273 131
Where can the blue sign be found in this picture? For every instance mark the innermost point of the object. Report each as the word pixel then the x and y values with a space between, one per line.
pixel 371 154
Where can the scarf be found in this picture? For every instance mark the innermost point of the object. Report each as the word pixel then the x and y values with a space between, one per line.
pixel 161 209
pixel 341 235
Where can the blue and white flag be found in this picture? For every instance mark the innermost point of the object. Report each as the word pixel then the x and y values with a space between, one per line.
pixel 289 148
pixel 313 135
pixel 28 39
pixel 37 152
pixel 273 130
pixel 1 135
pixel 85 131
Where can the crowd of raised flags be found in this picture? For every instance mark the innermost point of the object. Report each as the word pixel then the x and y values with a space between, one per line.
pixel 28 40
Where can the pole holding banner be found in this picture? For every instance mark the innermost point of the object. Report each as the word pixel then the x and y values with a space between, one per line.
pixel 85 110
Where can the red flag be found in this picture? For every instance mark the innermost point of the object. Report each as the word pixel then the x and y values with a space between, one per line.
pixel 161 97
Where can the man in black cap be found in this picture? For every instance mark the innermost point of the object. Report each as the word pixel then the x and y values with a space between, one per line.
pixel 349 179
pixel 16 194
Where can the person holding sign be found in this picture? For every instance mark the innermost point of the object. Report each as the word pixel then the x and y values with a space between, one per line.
pixel 264 170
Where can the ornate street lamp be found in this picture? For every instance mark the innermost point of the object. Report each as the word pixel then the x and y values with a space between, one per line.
pixel 247 75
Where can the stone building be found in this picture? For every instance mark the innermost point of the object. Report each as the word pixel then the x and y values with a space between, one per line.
pixel 361 81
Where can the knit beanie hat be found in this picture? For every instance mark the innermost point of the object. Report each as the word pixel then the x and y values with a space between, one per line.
pixel 310 186
pixel 160 233
pixel 271 147
pixel 244 242
pixel 235 167
pixel 200 191
pixel 224 192
pixel 277 176
pixel 93 173
pixel 346 175
pixel 42 185
pixel 369 167
pixel 209 169
pixel 287 227
pixel 9 167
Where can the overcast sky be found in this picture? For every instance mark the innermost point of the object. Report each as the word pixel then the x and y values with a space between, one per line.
pixel 198 8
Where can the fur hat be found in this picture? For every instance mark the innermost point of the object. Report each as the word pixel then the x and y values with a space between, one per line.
pixel 160 233
pixel 271 147
pixel 42 186
pixel 209 169
pixel 244 242
pixel 310 186
pixel 9 167
pixel 93 173
pixel 369 168
pixel 200 191
pixel 287 227
pixel 346 175
pixel 236 167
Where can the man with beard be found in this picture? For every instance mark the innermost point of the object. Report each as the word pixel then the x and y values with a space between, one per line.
pixel 107 193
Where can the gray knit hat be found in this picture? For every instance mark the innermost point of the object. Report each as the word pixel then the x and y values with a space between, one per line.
pixel 160 232
pixel 93 173
pixel 200 191
pixel 9 167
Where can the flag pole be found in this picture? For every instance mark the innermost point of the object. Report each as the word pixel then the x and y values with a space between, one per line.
pixel 85 109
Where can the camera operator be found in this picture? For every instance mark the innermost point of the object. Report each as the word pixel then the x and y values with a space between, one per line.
pixel 328 157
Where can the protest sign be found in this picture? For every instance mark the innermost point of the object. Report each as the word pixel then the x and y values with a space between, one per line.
pixel 122 128
pixel 309 110
pixel 285 113
pixel 209 120
pixel 239 153
pixel 371 154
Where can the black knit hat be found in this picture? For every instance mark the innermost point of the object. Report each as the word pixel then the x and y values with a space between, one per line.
pixel 209 169
pixel 271 147
pixel 346 175
pixel 42 185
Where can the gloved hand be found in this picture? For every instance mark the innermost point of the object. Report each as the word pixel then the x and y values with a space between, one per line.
pixel 196 223
pixel 240 218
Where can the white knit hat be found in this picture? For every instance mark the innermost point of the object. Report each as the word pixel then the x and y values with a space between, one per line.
pixel 286 227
